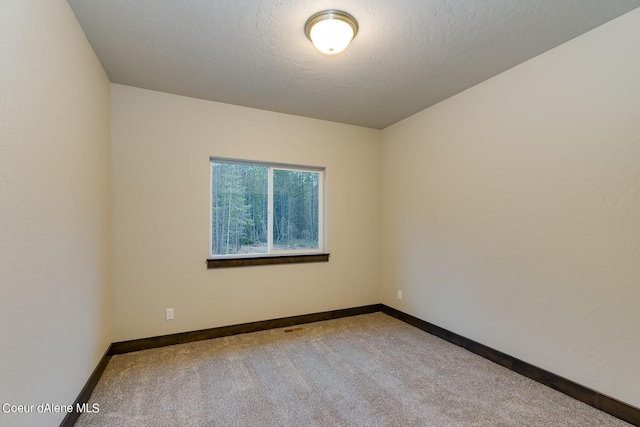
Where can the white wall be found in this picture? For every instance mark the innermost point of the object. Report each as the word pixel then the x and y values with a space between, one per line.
pixel 512 211
pixel 54 208
pixel 161 146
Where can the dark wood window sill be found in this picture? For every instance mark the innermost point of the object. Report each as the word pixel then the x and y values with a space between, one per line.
pixel 265 260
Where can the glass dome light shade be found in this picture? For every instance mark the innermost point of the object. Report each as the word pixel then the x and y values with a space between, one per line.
pixel 331 31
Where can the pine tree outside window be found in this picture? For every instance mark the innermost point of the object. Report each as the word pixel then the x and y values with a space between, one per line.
pixel 260 209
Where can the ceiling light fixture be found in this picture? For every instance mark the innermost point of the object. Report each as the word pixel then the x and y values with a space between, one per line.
pixel 331 31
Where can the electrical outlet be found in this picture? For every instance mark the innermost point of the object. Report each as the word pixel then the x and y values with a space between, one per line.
pixel 399 294
pixel 169 313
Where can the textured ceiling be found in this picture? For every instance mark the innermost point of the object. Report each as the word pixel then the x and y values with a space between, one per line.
pixel 408 54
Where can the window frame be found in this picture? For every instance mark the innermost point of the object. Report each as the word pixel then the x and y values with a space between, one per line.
pixel 272 256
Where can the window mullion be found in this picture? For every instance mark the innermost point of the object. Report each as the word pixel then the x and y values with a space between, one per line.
pixel 321 213
pixel 270 212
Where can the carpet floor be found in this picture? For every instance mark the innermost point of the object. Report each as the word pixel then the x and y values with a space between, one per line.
pixel 368 370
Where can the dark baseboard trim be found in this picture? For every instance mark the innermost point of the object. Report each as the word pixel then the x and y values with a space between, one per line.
pixel 224 331
pixel 85 394
pixel 607 404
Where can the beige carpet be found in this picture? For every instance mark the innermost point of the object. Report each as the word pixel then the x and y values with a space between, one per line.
pixel 369 370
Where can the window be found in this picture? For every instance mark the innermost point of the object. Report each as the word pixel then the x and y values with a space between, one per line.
pixel 261 210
